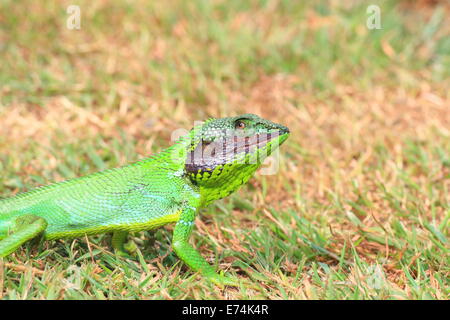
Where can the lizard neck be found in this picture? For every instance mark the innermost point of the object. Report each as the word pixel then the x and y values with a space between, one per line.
pixel 222 181
pixel 220 167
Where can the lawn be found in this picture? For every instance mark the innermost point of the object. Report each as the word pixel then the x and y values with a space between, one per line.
pixel 359 206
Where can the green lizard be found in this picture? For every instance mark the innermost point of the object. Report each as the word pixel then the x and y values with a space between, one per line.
pixel 210 162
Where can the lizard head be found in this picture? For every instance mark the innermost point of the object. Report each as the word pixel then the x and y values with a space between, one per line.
pixel 224 153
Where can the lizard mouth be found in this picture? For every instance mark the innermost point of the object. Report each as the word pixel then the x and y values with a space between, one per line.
pixel 210 154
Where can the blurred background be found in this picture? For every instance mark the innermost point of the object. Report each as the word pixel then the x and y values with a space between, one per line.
pixel 364 175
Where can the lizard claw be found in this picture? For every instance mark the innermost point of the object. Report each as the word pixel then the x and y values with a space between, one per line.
pixel 222 280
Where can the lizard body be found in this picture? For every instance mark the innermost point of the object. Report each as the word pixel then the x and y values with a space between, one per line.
pixel 210 162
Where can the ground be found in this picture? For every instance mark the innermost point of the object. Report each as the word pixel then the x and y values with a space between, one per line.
pixel 359 205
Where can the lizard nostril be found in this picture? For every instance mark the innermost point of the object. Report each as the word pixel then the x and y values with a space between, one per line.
pixel 283 129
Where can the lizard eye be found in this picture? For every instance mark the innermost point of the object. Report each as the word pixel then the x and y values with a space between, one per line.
pixel 239 124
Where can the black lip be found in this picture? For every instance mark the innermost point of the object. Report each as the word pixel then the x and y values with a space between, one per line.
pixel 285 130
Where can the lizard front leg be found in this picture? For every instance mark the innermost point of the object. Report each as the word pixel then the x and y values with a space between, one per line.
pixel 120 244
pixel 22 229
pixel 188 254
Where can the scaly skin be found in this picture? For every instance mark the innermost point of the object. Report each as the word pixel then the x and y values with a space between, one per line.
pixel 207 164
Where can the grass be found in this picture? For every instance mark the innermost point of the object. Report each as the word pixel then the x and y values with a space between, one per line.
pixel 359 208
